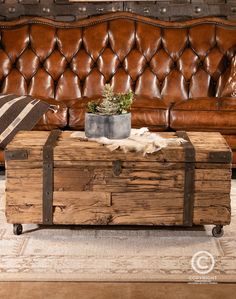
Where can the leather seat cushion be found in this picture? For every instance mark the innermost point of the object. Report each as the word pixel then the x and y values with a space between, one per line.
pixel 146 112
pixel 204 114
pixel 53 119
pixel 231 140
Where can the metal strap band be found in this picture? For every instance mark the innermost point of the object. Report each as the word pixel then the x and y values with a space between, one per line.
pixel 16 155
pixel 48 176
pixel 189 180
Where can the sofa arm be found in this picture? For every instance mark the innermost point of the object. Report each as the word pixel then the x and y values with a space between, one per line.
pixel 55 117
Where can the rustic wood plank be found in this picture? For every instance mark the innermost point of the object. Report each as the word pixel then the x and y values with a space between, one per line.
pixel 98 216
pixel 213 174
pixel 124 210
pixel 105 171
pixel 215 199
pixel 75 149
pixel 83 198
pixel 211 215
pixel 147 200
pixel 213 186
pixel 104 216
pixel 86 183
pixel 142 165
pixel 148 191
pixel 23 214
pixel 60 198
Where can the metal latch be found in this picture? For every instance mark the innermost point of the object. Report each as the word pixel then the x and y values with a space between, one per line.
pixel 117 167
pixel 224 157
pixel 16 155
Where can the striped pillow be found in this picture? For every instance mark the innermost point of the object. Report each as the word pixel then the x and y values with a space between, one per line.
pixel 18 113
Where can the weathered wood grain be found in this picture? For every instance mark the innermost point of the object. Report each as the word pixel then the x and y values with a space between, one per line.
pixel 148 191
pixel 119 208
pixel 72 149
pixel 108 216
pixel 35 198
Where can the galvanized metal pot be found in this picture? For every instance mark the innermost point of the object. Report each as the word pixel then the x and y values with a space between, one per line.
pixel 110 126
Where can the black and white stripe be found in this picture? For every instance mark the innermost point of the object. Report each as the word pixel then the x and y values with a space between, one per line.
pixel 18 113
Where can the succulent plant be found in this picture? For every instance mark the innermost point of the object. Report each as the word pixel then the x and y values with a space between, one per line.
pixel 111 103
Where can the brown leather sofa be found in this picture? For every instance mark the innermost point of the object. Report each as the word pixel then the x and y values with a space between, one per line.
pixel 176 69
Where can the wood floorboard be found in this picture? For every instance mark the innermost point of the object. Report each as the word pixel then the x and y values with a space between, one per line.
pixel 87 290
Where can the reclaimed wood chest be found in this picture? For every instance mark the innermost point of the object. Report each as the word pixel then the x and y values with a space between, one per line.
pixel 52 178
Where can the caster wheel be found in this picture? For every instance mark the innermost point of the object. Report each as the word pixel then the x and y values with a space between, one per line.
pixel 17 229
pixel 217 231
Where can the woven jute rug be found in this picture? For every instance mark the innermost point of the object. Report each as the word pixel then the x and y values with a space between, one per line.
pixel 79 254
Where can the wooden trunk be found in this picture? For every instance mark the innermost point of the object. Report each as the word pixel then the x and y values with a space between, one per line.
pixel 95 186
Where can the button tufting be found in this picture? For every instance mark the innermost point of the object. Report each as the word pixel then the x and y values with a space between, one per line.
pixel 163 10
pixel 82 9
pixel 100 9
pixel 197 9
pixel 146 10
pixel 67 64
pixel 46 9
pixel 12 9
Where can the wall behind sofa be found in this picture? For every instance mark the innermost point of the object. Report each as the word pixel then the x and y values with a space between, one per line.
pixel 162 9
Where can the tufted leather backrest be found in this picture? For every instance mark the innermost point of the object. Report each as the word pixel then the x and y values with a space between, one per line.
pixel 67 61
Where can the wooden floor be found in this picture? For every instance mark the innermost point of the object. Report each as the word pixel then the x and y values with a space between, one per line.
pixel 73 290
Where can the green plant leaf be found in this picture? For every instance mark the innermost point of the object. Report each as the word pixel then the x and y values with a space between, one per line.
pixel 112 103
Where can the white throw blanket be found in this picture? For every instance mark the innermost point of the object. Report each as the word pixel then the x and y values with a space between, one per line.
pixel 140 140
